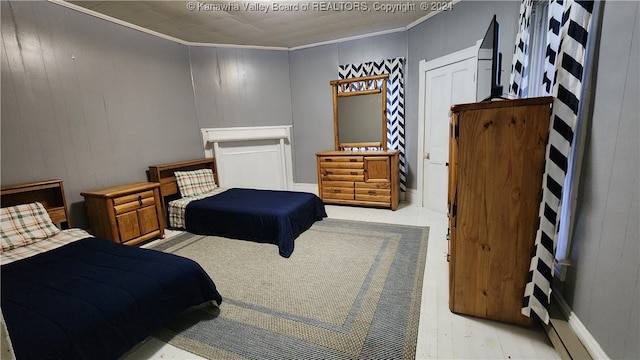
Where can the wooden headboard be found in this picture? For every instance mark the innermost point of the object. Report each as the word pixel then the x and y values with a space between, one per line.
pixel 165 175
pixel 48 192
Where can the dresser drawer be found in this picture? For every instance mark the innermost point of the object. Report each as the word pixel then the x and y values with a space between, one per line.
pixel 342 174
pixel 373 192
pixel 342 165
pixel 338 194
pixel 373 185
pixel 341 190
pixel 341 159
pixel 338 184
pixel 376 192
pixel 373 198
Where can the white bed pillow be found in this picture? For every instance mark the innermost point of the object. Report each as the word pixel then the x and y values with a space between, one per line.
pixel 24 224
pixel 195 182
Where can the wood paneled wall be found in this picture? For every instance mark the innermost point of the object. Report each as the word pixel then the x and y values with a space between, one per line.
pixel 88 101
pixel 241 87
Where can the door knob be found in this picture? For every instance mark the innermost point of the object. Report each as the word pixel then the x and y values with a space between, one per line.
pixel 427 156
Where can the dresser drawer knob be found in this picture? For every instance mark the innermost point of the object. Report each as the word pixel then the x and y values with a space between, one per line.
pixel 140 200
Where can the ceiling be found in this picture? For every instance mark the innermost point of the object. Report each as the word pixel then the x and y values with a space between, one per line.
pixel 261 23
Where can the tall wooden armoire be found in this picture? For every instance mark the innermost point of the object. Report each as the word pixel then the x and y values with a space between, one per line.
pixel 496 163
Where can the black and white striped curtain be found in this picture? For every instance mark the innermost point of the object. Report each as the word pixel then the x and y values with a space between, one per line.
pixel 555 16
pixel 573 23
pixel 518 81
pixel 395 102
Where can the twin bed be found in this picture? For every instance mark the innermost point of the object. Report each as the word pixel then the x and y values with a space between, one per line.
pixel 195 203
pixel 66 294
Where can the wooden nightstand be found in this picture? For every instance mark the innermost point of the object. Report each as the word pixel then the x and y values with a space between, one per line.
pixel 127 214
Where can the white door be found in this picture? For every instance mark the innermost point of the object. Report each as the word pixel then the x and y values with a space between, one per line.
pixel 450 82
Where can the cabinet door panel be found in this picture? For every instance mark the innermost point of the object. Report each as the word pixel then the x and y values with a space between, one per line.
pixel 128 226
pixel 148 220
pixel 377 168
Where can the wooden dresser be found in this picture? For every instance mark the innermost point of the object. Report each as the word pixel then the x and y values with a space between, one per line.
pixel 496 163
pixel 366 178
pixel 127 214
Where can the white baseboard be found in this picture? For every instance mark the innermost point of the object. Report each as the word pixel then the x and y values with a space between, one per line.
pixel 588 341
pixel 410 196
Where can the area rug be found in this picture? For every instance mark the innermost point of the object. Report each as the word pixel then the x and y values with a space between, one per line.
pixel 350 290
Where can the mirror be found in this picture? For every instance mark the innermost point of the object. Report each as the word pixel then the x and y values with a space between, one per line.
pixel 359 112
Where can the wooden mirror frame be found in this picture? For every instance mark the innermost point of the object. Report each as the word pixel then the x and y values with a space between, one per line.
pixel 365 85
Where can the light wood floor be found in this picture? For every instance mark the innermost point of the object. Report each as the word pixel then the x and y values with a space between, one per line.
pixel 442 334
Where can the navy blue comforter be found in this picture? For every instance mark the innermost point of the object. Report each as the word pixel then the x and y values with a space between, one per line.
pixel 94 299
pixel 267 216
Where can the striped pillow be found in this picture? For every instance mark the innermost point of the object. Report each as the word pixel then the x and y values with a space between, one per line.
pixel 196 182
pixel 24 224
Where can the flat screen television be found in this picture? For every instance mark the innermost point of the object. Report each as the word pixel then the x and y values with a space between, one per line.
pixel 489 64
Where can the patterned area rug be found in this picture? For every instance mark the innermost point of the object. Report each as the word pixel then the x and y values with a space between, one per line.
pixel 350 290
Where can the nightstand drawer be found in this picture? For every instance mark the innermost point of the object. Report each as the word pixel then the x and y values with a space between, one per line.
pixel 137 203
pixel 133 197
